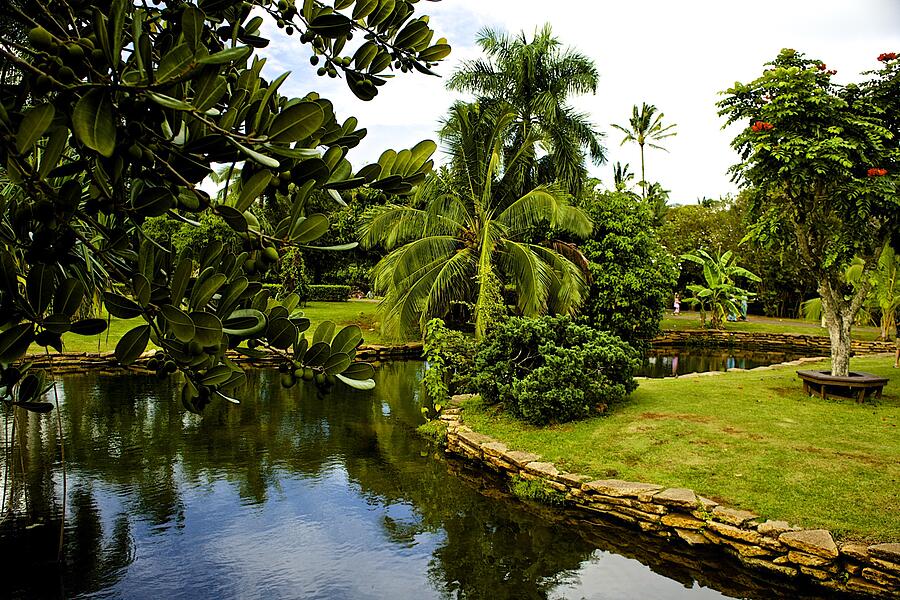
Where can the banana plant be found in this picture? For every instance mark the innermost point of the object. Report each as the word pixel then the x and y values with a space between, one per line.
pixel 718 295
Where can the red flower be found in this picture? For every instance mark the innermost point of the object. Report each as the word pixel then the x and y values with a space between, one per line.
pixel 761 126
pixel 832 71
pixel 886 56
pixel 822 66
pixel 875 172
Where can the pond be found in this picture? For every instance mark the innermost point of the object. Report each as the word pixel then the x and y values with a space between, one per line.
pixel 291 495
pixel 668 362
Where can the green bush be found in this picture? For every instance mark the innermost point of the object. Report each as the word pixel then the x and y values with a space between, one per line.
pixel 449 354
pixel 328 293
pixel 550 369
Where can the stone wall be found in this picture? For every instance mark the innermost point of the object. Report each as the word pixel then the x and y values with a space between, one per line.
pixel 767 342
pixel 71 362
pixel 684 516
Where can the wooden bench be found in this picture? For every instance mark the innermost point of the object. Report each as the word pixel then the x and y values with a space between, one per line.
pixel 856 384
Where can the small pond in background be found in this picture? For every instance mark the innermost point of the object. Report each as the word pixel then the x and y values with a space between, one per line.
pixel 672 361
pixel 292 495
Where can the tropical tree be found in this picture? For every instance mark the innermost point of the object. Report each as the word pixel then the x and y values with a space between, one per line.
pixel 115 112
pixel 536 78
pixel 622 175
pixel 884 280
pixel 718 295
pixel 475 231
pixel 645 128
pixel 821 163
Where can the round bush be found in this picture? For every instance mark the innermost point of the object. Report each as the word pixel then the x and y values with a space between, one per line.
pixel 550 369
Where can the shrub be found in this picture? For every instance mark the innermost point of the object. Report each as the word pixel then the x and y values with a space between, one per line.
pixel 329 293
pixel 449 354
pixel 550 369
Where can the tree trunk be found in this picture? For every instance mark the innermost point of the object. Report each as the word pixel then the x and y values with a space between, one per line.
pixel 840 312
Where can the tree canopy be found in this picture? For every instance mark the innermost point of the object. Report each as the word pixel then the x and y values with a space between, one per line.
pixel 821 162
pixel 120 110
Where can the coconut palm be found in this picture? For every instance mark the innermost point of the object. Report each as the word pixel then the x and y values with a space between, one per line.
pixel 536 79
pixel 645 127
pixel 622 175
pixel 469 228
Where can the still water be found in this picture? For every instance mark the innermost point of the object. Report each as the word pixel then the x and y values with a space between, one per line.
pixel 291 495
pixel 670 362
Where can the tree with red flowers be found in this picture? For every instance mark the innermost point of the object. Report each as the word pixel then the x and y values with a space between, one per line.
pixel 821 163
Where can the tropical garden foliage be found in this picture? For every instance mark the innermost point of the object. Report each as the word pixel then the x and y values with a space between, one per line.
pixel 821 163
pixel 114 112
pixel 719 295
pixel 535 79
pixel 475 232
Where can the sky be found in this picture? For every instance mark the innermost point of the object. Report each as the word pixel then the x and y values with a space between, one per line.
pixel 675 55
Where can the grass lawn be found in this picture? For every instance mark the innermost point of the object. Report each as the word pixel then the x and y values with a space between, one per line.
pixel 751 440
pixel 691 320
pixel 361 313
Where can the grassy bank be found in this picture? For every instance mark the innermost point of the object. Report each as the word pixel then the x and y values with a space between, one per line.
pixel 756 324
pixel 751 440
pixel 342 313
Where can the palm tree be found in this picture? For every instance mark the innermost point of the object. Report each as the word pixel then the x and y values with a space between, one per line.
pixel 645 127
pixel 536 79
pixel 621 176
pixel 474 231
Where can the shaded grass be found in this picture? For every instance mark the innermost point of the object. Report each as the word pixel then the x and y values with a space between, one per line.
pixel 691 320
pixel 342 313
pixel 751 440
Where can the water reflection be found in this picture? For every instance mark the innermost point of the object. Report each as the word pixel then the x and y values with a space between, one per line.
pixel 671 362
pixel 290 495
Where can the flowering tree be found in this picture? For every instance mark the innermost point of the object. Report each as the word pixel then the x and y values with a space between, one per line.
pixel 821 164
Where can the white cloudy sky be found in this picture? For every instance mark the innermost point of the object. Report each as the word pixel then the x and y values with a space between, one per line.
pixel 676 55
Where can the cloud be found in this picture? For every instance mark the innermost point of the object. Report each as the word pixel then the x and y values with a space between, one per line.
pixel 678 56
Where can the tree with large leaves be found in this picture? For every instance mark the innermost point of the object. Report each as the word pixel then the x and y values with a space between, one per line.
pixel 645 128
pixel 475 229
pixel 117 111
pixel 718 294
pixel 536 78
pixel 821 164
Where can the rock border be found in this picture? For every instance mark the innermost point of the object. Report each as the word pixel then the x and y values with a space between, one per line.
pixel 682 514
pixel 768 342
pixel 105 363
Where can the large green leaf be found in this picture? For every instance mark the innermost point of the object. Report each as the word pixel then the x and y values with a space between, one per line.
pixel 174 63
pixel 226 56
pixel 132 344
pixel 14 342
pixel 331 25
pixel 244 323
pixel 309 229
pixel 208 328
pixel 359 370
pixel 93 122
pixel 253 189
pixel 180 280
pixel 88 327
pixel 324 332
pixel 39 287
pixel 281 333
pixel 35 122
pixel 120 306
pixel 317 354
pixel 179 322
pixel 296 122
pixel 347 339
pixel 336 363
pixel 68 298
pixel 203 290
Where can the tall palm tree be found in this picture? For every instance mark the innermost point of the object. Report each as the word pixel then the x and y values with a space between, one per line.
pixel 536 79
pixel 645 127
pixel 476 229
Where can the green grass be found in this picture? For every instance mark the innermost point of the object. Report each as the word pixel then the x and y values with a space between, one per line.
pixel 691 320
pixel 342 313
pixel 751 440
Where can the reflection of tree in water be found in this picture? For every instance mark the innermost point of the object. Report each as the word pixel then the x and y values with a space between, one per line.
pixel 130 435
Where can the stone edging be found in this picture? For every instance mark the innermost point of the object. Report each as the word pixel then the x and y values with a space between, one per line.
pixel 769 342
pixel 106 362
pixel 681 514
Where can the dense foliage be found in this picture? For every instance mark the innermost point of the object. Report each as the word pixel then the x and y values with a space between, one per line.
pixel 550 369
pixel 632 275
pixel 475 231
pixel 719 294
pixel 449 356
pixel 535 79
pixel 822 164
pixel 119 111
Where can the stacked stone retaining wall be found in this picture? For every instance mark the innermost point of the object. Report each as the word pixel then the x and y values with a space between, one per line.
pixel 71 362
pixel 683 515
pixel 768 342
